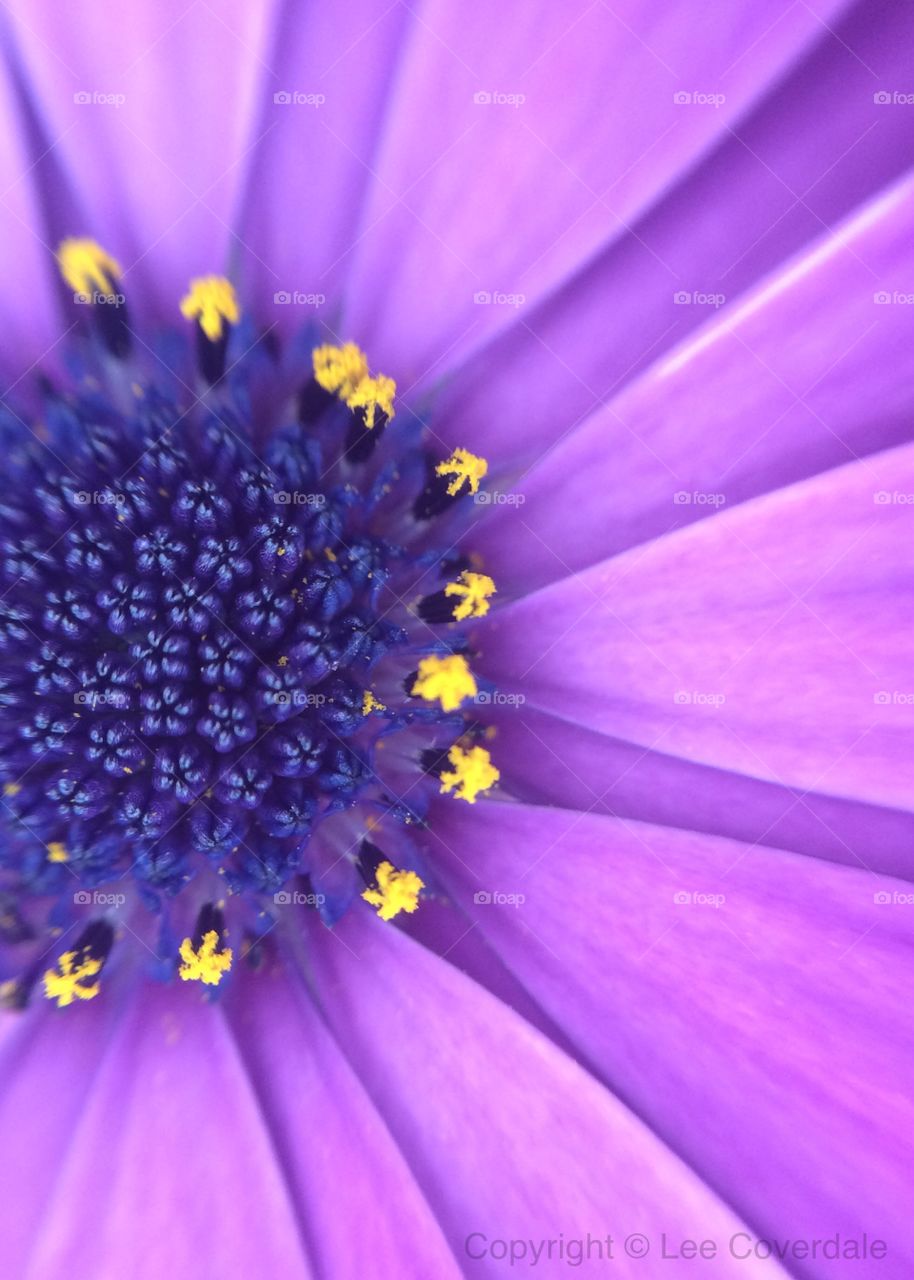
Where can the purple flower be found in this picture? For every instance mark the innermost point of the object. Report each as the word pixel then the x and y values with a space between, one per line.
pixel 455 682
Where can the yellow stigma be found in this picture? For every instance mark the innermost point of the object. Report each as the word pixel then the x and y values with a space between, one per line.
pixel 57 852
pixel 449 680
pixel 370 703
pixel 343 371
pixel 397 891
pixel 339 370
pixel 466 468
pixel 208 963
pixel 68 982
pixel 371 395
pixel 211 300
pixel 86 267
pixel 474 590
pixel 471 772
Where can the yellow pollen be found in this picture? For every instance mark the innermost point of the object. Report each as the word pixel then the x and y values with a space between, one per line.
pixel 449 680
pixel 339 370
pixel 474 590
pixel 371 395
pixel 370 703
pixel 208 963
pixel 70 983
pixel 343 371
pixel 471 772
pixel 466 468
pixel 211 300
pixel 86 267
pixel 397 891
pixel 12 789
pixel 57 852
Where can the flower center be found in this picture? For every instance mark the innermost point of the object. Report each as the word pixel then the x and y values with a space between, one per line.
pixel 213 618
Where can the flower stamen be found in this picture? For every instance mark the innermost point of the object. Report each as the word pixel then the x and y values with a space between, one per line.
pixel 394 891
pixel 86 267
pixel 447 680
pixel 471 773
pixel 212 301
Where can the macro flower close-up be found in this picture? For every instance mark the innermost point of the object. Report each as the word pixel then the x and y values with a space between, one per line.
pixel 456 696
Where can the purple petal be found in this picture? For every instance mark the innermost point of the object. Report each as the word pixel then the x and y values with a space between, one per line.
pixel 548 761
pixel 754 202
pixel 772 640
pixel 470 1091
pixel 170 1167
pixel 151 109
pixel 766 1036
pixel 342 1163
pixel 477 195
pixel 333 67
pixel 814 369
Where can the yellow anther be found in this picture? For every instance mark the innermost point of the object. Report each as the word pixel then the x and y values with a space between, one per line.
pixel 208 963
pixel 471 772
pixel 339 370
pixel 466 468
pixel 57 852
pixel 370 703
pixel 12 789
pixel 396 891
pixel 211 300
pixel 86 267
pixel 371 395
pixel 474 590
pixel 68 982
pixel 343 371
pixel 447 680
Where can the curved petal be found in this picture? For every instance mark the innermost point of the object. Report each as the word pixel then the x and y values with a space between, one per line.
pixel 470 1091
pixel 346 1169
pixel 750 1005
pixel 40 1109
pixel 170 1147
pixel 545 760
pixel 513 151
pixel 773 639
pixel 320 117
pixel 151 109
pixel 813 370
pixel 815 150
